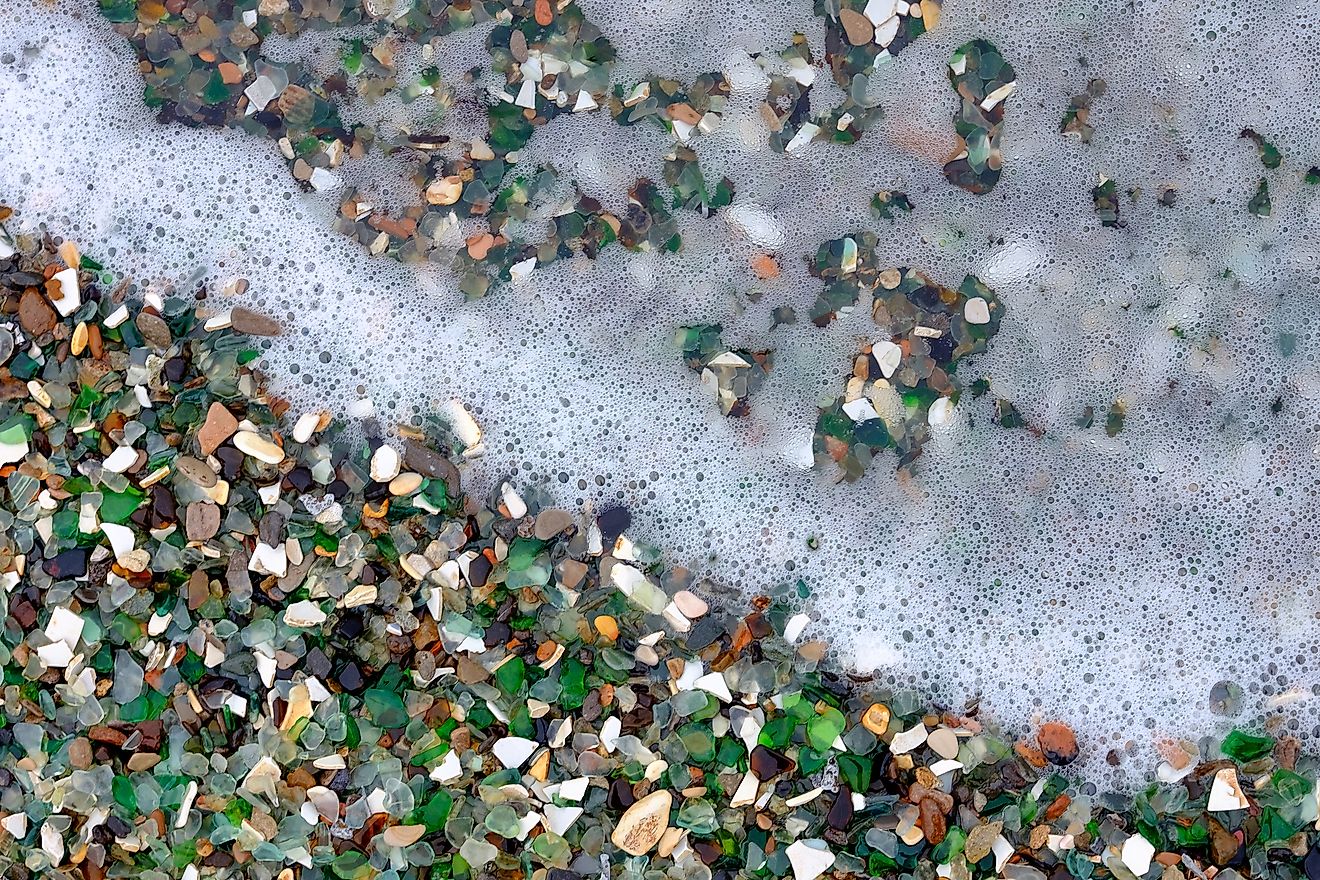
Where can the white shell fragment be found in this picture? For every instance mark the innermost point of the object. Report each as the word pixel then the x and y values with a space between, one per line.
pixel 385 463
pixel 70 294
pixel 809 858
pixel 908 740
pixel 1137 854
pixel 303 614
pixel 1226 792
pixel 513 751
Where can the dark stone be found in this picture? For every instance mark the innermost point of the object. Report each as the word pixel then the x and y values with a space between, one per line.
pixel 620 796
pixel 376 491
pixel 612 523
pixel 478 571
pixel 350 678
pixel 176 369
pixel 299 479
pixel 250 323
pixel 350 626
pixel 231 462
pixel 337 488
pixel 841 811
pixel 1311 864
pixel 766 763
pixel 69 564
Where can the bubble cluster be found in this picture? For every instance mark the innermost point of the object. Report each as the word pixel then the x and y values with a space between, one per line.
pixel 1056 572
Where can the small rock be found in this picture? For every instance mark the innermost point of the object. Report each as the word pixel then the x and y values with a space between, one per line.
pixel 34 315
pixel 644 823
pixel 258 447
pixel 1058 743
pixel 977 311
pixel 196 470
pixel 202 521
pixel 981 840
pixel 154 330
pixel 692 605
pixel 856 26
pixel 551 522
pixel 80 753
pixel 250 323
pixel 403 835
pixel 385 463
pixel 943 742
pixel 219 426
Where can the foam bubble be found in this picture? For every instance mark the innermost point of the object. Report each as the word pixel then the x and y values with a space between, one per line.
pixel 1110 581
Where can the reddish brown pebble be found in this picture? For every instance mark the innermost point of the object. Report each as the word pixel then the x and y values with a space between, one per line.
pixel 1058 743
pixel 34 315
pixel 219 426
pixel 1030 754
pixel 932 822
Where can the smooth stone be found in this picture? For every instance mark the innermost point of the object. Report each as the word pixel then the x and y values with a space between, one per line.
pixel 258 447
pixel 250 323
pixel 551 522
pixel 202 521
pixel 196 470
pixel 692 605
pixel 943 742
pixel 977 311
pixel 643 824
pixel 385 463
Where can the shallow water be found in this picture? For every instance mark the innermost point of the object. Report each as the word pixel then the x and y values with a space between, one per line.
pixel 1057 573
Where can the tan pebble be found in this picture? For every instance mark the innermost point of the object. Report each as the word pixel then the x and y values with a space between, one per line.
pixel 643 824
pixel 857 27
pixel 78 344
pixel 943 742
pixel 692 605
pixel 258 447
pixel 444 190
pixel 668 841
pixel 404 835
pixel 405 484
pixel 142 761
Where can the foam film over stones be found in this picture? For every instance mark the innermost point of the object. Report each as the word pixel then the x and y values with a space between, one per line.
pixel 1110 581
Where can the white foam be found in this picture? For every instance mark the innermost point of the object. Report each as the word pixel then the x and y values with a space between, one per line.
pixel 1107 581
